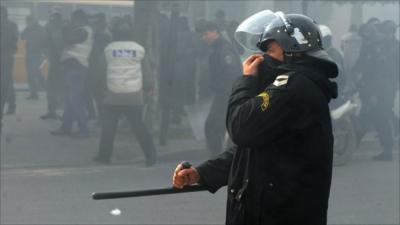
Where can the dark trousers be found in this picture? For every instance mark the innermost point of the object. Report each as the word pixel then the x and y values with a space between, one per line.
pixel 171 112
pixel 95 89
pixel 10 96
pixel 110 117
pixel 75 105
pixel 34 74
pixel 379 117
pixel 55 88
pixel 215 123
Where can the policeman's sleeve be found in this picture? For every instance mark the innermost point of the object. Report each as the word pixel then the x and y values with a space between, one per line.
pixel 256 118
pixel 214 173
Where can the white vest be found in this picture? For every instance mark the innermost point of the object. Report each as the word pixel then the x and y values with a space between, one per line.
pixel 82 50
pixel 124 70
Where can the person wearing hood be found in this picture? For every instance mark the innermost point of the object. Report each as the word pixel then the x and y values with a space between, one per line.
pixel 280 169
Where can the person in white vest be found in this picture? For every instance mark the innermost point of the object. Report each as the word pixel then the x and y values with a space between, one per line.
pixel 74 60
pixel 124 93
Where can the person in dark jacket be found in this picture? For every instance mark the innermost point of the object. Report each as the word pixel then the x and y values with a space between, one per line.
pixel 224 66
pixel 54 44
pixel 34 35
pixel 97 69
pixel 9 38
pixel 280 169
pixel 378 64
pixel 167 79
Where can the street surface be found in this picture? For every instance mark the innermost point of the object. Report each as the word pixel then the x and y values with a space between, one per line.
pixel 49 180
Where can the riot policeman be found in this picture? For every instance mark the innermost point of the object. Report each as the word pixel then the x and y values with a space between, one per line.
pixel 279 171
pixel 378 65
pixel 224 66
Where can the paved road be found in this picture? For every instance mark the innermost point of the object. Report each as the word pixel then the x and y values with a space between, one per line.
pixel 48 180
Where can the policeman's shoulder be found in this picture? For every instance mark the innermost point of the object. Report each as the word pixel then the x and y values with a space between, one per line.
pixel 293 81
pixel 282 81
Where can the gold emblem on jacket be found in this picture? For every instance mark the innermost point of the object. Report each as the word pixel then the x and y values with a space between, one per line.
pixel 265 100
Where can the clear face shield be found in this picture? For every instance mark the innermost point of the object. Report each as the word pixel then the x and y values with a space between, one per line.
pixel 250 30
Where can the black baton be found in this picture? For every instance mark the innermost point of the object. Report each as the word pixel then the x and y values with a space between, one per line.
pixel 150 192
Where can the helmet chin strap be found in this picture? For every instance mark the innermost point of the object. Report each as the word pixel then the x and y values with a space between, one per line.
pixel 288 57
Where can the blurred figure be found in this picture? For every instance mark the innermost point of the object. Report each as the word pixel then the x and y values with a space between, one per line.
pixel 232 25
pixel 225 67
pixel 54 45
pixel 34 36
pixel 203 70
pixel 350 45
pixel 390 65
pixel 97 68
pixel 169 27
pixel 75 62
pixel 337 58
pixel 223 25
pixel 376 86
pixel 220 20
pixel 183 90
pixel 9 39
pixel 124 94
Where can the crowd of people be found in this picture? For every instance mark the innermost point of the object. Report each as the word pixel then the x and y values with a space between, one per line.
pixel 368 66
pixel 376 73
pixel 98 72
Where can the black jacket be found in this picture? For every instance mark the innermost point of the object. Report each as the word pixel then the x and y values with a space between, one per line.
pixel 34 36
pixel 280 170
pixel 8 40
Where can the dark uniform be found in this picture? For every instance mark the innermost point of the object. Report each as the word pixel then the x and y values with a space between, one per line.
pixel 225 67
pixel 377 63
pixel 285 144
pixel 54 44
pixel 167 79
pixel 280 170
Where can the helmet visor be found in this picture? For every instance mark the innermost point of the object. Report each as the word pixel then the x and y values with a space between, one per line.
pixel 249 31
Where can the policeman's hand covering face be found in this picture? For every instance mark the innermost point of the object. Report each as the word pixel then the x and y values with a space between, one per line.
pixel 248 34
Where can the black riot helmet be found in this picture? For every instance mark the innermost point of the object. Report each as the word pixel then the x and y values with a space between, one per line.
pixel 295 33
